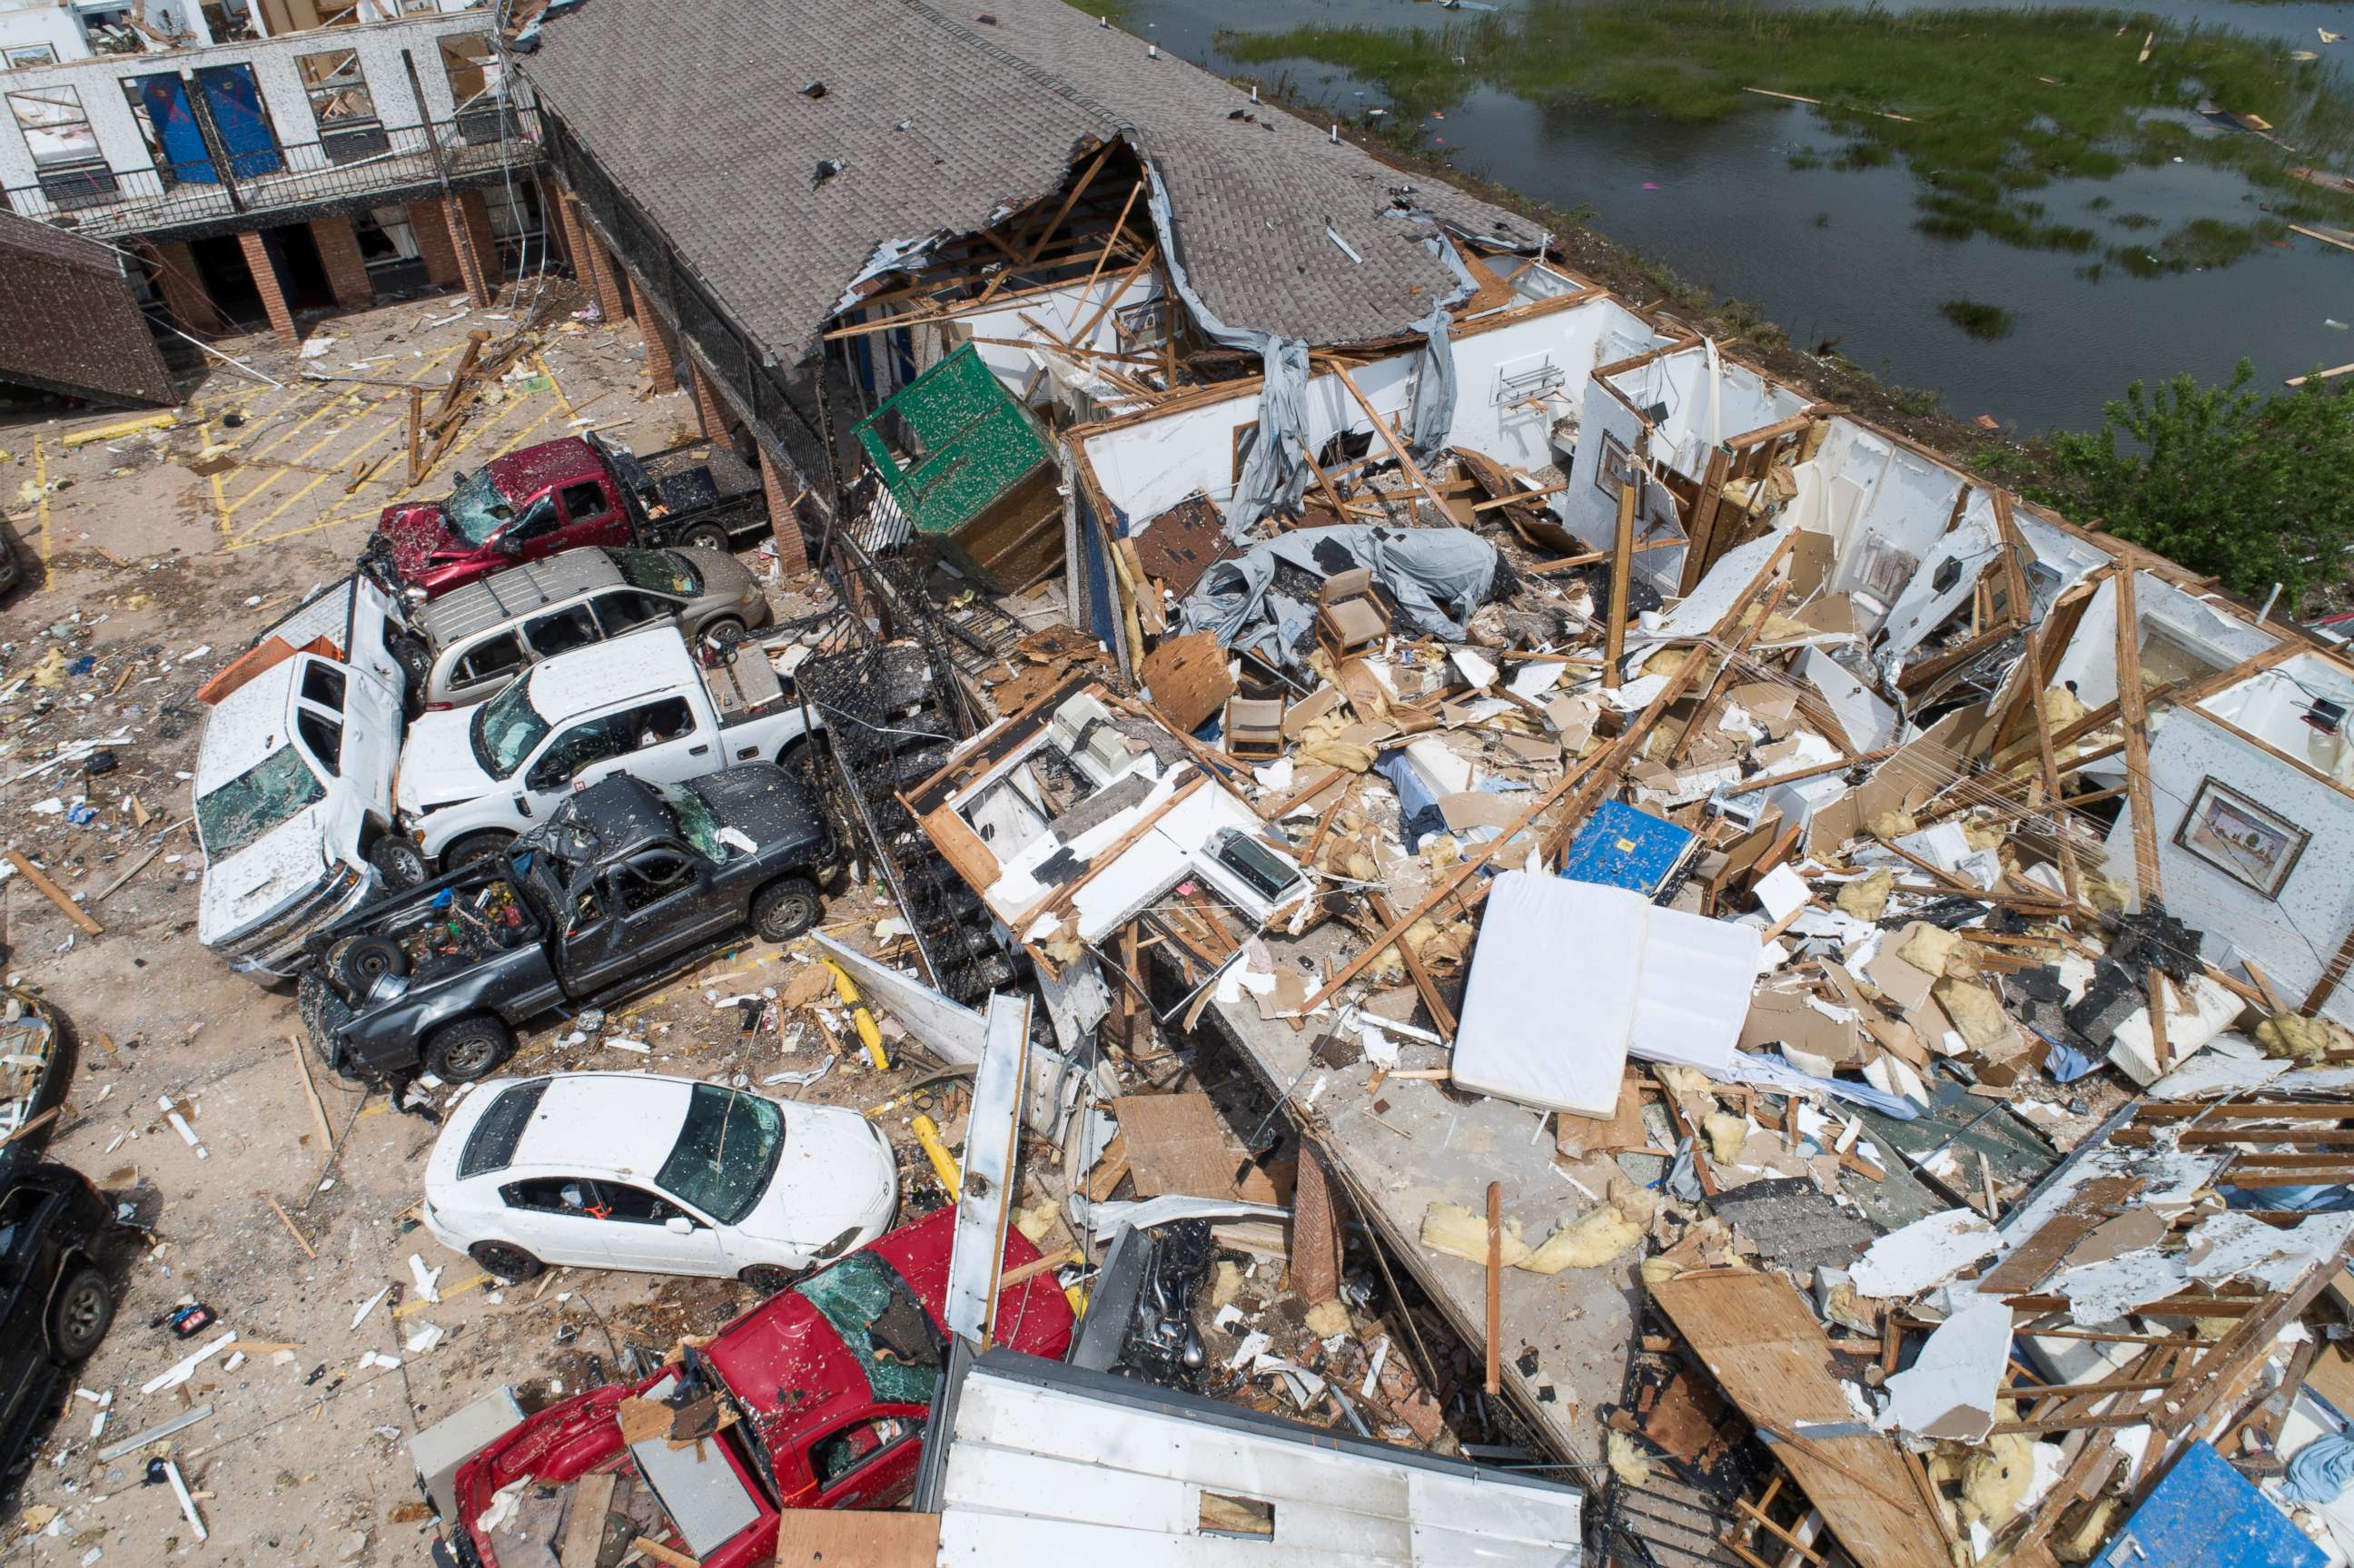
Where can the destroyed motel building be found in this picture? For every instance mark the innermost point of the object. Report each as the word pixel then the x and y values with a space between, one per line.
pixel 1759 930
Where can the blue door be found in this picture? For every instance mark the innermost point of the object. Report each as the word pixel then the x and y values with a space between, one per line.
pixel 243 125
pixel 181 158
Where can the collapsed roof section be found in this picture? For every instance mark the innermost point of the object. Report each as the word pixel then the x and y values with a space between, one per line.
pixel 786 174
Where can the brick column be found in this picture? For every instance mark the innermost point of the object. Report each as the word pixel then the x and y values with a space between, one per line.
pixel 556 222
pixel 265 279
pixel 660 350
pixel 470 264
pixel 575 243
pixel 183 288
pixel 777 481
pixel 1315 1232
pixel 339 252
pixel 432 234
pixel 486 243
pixel 707 405
pixel 612 281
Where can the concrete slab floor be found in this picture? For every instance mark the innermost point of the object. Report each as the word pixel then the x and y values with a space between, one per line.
pixel 158 575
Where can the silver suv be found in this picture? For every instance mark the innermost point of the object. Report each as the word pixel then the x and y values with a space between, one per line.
pixel 477 638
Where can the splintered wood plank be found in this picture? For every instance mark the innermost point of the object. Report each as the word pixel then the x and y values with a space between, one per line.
pixel 1767 1354
pixel 1175 1144
pixel 2039 1253
pixel 584 1527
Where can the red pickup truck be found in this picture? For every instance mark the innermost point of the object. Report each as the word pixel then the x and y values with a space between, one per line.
pixel 820 1395
pixel 561 495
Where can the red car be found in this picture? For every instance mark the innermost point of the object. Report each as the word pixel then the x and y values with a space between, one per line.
pixel 829 1382
pixel 561 495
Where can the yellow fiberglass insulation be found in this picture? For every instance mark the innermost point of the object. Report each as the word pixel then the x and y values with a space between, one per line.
pixel 1589 1241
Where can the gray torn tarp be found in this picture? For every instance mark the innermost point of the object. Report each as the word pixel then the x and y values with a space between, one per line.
pixel 1432 417
pixel 1438 577
pixel 1275 473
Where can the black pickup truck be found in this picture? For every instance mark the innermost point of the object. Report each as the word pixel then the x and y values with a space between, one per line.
pixel 625 884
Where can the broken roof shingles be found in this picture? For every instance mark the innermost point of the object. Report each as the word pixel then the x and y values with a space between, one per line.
pixel 697 110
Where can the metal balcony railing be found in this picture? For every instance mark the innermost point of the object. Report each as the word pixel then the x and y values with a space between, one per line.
pixel 346 164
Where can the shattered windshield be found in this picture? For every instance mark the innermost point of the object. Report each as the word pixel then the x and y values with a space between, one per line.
pixel 698 824
pixel 476 510
pixel 878 1317
pixel 657 571
pixel 255 801
pixel 725 1152
pixel 508 728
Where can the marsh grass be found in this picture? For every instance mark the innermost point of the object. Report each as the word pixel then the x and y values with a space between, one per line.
pixel 1981 106
pixel 1981 321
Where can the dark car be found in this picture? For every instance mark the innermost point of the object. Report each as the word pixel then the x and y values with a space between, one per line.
pixel 625 884
pixel 58 1299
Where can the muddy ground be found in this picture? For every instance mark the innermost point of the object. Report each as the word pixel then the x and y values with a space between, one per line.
pixel 152 560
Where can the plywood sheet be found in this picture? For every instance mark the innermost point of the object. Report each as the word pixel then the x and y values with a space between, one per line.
pixel 1175 1144
pixel 807 1537
pixel 2039 1253
pixel 1175 548
pixel 1188 678
pixel 1768 1355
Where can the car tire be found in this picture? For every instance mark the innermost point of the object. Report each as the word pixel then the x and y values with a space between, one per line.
pixel 708 537
pixel 356 963
pixel 79 1314
pixel 511 1264
pixel 474 847
pixel 786 907
pixel 416 661
pixel 400 861
pixel 469 1049
pixel 771 1279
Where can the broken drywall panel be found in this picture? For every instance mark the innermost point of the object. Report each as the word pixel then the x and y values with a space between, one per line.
pixel 1697 613
pixel 2262 851
pixel 1869 721
pixel 2233 1245
pixel 2104 1292
pixel 2232 1065
pixel 1923 1254
pixel 1949 1390
pixel 2213 1006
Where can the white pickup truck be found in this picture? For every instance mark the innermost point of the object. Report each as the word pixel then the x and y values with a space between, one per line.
pixel 473 778
pixel 293 788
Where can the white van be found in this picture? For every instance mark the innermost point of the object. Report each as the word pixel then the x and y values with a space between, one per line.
pixel 294 790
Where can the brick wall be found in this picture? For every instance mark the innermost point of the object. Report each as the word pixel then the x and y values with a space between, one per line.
pixel 660 350
pixel 172 268
pixel 69 319
pixel 433 247
pixel 486 244
pixel 262 260
pixel 777 481
pixel 339 251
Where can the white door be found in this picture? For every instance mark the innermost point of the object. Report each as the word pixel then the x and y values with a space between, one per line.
pixel 560 1219
pixel 644 1232
pixel 658 742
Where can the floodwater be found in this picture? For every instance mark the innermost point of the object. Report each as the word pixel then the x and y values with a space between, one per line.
pixel 1831 254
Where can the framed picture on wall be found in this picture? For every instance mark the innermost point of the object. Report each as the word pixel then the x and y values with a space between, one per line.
pixel 2229 832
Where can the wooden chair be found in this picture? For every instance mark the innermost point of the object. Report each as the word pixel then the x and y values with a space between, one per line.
pixel 1254 728
pixel 1348 618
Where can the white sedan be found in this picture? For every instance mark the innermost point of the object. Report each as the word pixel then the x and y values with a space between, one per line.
pixel 667 1175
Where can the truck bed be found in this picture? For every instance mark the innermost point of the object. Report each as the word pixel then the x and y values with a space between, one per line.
pixel 746 687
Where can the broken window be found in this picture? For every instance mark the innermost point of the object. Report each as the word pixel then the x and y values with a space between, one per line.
pixel 1614 469
pixel 725 1152
pixel 258 799
pixel 878 1317
pixel 471 64
pixel 492 1142
pixel 1247 1517
pixel 341 105
pixel 65 149
pixel 840 1455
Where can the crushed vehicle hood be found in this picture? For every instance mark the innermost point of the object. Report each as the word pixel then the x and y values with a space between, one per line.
pixel 237 892
pixel 438 766
pixel 413 530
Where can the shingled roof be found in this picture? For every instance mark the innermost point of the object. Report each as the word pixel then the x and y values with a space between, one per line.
pixel 942 123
